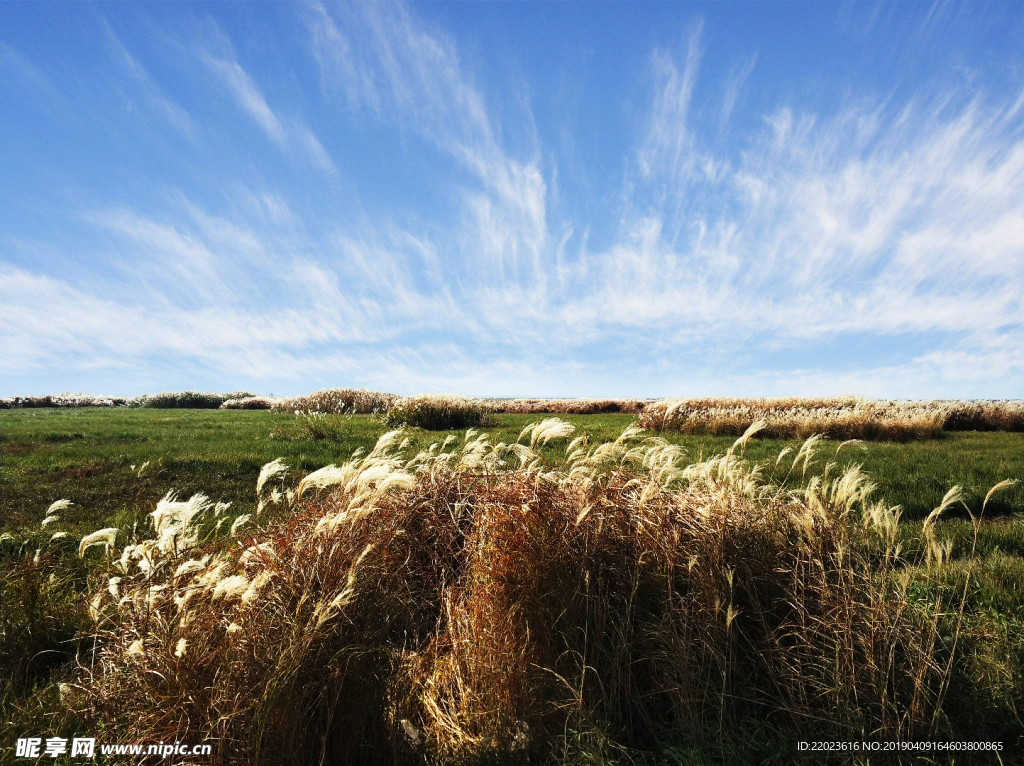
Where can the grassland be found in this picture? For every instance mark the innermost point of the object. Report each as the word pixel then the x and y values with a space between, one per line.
pixel 86 455
pixel 94 458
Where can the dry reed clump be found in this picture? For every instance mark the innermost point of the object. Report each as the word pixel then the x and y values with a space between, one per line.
pixel 564 406
pixel 337 401
pixel 251 403
pixel 322 426
pixel 62 400
pixel 435 412
pixel 836 417
pixel 190 399
pixel 473 600
pixel 1005 415
pixel 185 399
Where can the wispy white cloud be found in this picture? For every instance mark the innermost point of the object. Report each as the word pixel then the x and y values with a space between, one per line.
pixel 389 65
pixel 874 219
pixel 157 96
pixel 248 96
pixel 733 86
pixel 669 144
pixel 898 224
pixel 291 134
pixel 23 69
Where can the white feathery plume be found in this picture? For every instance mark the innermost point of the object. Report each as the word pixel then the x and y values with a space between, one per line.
pixel 273 469
pixel 240 522
pixel 136 648
pixel 954 496
pixel 257 551
pixel 60 505
pixel 94 606
pixel 529 429
pixel 191 567
pixel 325 477
pixel 630 432
pixel 103 537
pixel 757 425
pixel 182 599
pixel 257 584
pixel 143 553
pixel 1004 484
pixel 551 429
pixel 387 441
pixel 155 595
pixel 173 521
pixel 126 557
pixel 399 480
pixel 231 588
pixel 346 595
pixel 213 575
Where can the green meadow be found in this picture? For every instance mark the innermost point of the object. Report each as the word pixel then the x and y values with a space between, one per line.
pixel 87 455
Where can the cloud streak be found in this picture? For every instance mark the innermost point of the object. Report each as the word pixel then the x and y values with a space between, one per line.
pixel 292 135
pixel 736 256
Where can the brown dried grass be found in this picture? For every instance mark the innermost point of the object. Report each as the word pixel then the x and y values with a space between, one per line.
pixel 836 418
pixel 338 401
pixel 250 403
pixel 435 412
pixel 472 600
pixel 564 406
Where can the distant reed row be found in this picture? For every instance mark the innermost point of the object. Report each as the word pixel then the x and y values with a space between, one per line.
pixel 784 418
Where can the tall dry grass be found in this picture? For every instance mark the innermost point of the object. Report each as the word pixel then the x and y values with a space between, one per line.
pixel 250 403
pixel 185 399
pixel 1006 415
pixel 795 417
pixel 563 406
pixel 62 400
pixel 472 600
pixel 435 412
pixel 837 417
pixel 336 401
pixel 165 400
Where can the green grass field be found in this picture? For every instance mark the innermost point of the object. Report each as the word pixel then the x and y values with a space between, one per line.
pixel 86 455
pixel 92 457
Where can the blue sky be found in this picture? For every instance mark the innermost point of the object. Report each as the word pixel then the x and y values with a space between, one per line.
pixel 513 199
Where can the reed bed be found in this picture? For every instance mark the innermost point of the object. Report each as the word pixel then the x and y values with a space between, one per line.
pixel 435 412
pixel 473 601
pixel 836 418
pixel 321 426
pixel 185 399
pixel 845 417
pixel 165 400
pixel 250 403
pixel 62 400
pixel 564 406
pixel 337 401
pixel 1006 415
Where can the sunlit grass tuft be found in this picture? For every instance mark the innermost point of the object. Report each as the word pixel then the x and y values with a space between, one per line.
pixel 474 598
